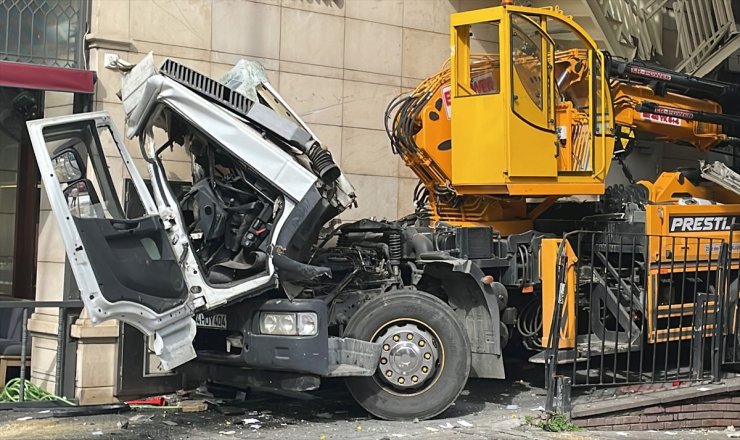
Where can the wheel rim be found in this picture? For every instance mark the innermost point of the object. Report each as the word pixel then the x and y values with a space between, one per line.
pixel 411 356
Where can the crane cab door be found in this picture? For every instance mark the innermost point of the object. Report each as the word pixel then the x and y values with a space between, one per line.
pixel 502 123
pixel 532 139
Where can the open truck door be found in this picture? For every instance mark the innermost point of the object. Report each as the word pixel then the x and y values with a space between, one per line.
pixel 125 268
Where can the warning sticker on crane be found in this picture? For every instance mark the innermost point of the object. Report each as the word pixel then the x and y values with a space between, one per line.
pixel 661 119
pixel 447 100
pixel 483 84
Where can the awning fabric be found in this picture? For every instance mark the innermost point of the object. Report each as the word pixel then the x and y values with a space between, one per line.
pixel 35 76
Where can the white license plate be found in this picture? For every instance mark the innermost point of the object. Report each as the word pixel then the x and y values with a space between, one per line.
pixel 211 321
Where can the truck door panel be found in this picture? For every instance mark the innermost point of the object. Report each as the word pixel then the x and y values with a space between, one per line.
pixel 125 268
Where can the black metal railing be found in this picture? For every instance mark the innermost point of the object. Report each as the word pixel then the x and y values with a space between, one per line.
pixel 49 32
pixel 64 366
pixel 636 309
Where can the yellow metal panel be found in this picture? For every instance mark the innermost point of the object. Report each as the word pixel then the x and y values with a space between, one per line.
pixel 548 270
pixel 532 152
pixel 478 133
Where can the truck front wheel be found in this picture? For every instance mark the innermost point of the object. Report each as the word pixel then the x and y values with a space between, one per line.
pixel 425 358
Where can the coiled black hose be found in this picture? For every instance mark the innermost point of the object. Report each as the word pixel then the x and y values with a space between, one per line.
pixel 529 324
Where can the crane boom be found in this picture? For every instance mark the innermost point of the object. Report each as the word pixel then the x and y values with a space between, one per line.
pixel 532 119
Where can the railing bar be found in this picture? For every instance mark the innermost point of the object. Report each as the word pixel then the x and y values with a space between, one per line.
pixel 579 244
pixel 61 347
pixel 631 310
pixel 619 299
pixel 644 324
pixel 604 312
pixel 734 295
pixel 24 341
pixel 655 297
pixel 705 310
pixel 683 302
pixel 591 308
pixel 670 307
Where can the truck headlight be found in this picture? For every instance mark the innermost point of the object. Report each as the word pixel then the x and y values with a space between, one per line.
pixel 289 324
pixel 308 324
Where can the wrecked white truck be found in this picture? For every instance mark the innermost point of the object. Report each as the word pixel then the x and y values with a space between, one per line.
pixel 248 247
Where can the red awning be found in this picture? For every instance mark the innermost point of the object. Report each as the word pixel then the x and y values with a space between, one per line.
pixel 35 76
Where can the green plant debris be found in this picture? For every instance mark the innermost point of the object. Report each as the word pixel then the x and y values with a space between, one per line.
pixel 558 423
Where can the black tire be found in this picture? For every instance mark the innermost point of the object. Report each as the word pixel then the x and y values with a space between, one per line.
pixel 438 390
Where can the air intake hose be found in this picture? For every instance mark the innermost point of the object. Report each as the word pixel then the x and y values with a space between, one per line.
pixel 323 163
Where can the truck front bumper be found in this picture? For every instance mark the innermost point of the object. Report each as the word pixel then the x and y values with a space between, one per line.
pixel 319 354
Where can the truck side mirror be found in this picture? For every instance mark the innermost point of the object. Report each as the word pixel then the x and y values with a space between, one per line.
pixel 68 166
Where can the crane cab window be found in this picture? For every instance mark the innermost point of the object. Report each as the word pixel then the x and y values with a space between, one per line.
pixel 526 57
pixel 484 62
pixel 485 68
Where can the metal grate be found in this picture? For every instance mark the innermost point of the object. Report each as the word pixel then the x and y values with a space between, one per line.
pixel 643 310
pixel 206 86
pixel 49 32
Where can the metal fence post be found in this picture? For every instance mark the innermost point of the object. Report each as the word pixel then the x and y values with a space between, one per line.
pixel 61 348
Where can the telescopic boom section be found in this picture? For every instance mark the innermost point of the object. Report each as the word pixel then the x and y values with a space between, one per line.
pixel 652 102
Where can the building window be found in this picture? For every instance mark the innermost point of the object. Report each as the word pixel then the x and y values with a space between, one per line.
pixel 49 32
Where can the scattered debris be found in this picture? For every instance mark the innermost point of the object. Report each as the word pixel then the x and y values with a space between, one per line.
pixel 141 418
pixel 539 408
pixel 512 406
pixel 97 433
pixel 227 432
pixel 464 423
pixel 430 429
pixel 193 406
pixel 23 419
pixel 255 427
pixel 169 423
pixel 122 424
pixel 230 410
pixel 250 421
pixel 465 393
pixel 447 425
pixel 149 401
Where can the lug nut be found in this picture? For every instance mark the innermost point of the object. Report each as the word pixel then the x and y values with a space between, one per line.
pixel 409 336
pixel 396 338
pixel 425 369
pixel 422 343
pixel 389 373
pixel 386 347
pixel 427 356
pixel 401 380
pixel 414 379
pixel 383 361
